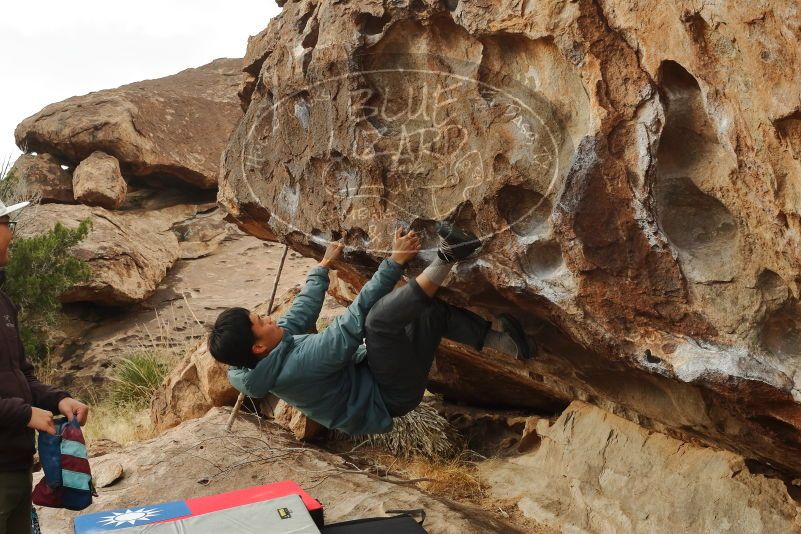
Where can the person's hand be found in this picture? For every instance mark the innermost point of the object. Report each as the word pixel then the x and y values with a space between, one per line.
pixel 332 253
pixel 42 420
pixel 405 246
pixel 71 408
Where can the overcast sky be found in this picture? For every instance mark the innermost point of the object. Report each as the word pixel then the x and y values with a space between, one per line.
pixel 52 50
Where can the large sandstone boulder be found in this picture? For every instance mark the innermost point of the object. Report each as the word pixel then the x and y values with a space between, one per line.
pixel 97 181
pixel 633 169
pixel 173 127
pixel 596 472
pixel 45 178
pixel 129 252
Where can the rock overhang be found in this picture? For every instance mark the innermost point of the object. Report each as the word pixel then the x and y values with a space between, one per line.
pixel 636 258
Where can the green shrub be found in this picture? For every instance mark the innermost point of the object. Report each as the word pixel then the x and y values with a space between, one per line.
pixel 39 270
pixel 136 378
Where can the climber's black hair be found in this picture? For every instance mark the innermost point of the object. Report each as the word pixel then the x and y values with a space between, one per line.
pixel 231 339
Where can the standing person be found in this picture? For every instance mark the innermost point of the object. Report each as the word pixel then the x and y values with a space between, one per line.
pixel 25 405
pixel 333 377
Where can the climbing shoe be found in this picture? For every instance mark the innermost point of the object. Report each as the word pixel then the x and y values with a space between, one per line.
pixel 515 330
pixel 455 244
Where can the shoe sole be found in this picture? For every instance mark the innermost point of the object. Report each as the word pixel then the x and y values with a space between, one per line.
pixel 464 243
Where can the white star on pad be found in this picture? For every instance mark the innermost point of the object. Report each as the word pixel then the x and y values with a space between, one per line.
pixel 130 516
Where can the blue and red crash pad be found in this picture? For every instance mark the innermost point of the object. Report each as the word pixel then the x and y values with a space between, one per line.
pixel 124 518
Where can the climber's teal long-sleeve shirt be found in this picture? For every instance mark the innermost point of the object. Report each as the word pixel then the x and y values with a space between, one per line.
pixel 319 373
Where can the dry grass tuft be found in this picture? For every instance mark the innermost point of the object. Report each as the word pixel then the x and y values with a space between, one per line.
pixel 456 478
pixel 120 423
pixel 423 446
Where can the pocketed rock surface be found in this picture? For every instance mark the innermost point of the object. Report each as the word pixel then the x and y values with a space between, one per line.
pixel 632 166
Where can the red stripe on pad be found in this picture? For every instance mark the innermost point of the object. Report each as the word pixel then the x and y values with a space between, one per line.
pixel 72 463
pixel 223 501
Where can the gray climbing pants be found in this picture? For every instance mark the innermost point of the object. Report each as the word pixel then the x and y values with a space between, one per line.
pixel 402 332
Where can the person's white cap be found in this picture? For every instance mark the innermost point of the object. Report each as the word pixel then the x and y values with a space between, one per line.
pixel 7 210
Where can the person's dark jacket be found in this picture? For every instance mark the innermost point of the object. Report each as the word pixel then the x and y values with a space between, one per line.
pixel 19 390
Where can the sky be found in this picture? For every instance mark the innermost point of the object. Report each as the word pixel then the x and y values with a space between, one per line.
pixel 61 49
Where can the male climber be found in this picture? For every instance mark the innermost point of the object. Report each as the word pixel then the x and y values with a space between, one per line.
pixel 333 377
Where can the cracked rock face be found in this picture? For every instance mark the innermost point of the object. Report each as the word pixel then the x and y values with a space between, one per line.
pixel 634 170
pixel 168 129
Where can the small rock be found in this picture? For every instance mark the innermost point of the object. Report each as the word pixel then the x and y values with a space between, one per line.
pixel 107 473
pixel 98 181
pixel 293 420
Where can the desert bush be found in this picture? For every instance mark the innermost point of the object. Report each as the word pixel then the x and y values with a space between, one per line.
pixel 136 378
pixel 121 407
pixel 39 270
pixel 10 185
pixel 423 432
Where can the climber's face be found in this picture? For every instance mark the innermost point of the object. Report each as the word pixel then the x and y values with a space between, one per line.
pixel 6 234
pixel 266 334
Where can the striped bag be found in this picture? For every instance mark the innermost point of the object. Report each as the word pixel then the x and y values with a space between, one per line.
pixel 67 481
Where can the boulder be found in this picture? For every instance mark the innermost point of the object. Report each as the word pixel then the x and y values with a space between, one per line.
pixel 105 474
pixel 597 472
pixel 203 234
pixel 631 168
pixel 45 178
pixel 129 252
pixel 168 129
pixel 97 181
pixel 293 420
pixel 196 385
pixel 290 418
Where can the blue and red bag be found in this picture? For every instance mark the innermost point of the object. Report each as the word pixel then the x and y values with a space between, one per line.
pixel 67 481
